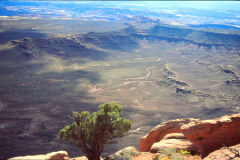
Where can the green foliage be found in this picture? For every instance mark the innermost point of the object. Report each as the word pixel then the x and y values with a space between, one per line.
pixel 174 154
pixel 184 152
pixel 171 153
pixel 92 131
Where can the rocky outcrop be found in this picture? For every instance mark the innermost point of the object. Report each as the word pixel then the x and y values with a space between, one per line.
pixel 207 135
pixel 177 141
pixel 127 153
pixel 158 132
pixel 210 135
pixel 194 135
pixel 225 153
pixel 60 155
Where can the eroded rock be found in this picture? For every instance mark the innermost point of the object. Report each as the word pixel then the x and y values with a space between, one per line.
pixel 158 132
pixel 79 158
pixel 177 141
pixel 207 135
pixel 210 135
pixel 60 155
pixel 225 153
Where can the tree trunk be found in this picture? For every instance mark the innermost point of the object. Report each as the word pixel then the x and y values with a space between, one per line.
pixel 93 156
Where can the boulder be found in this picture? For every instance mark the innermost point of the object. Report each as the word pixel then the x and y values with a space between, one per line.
pixel 225 153
pixel 35 157
pixel 127 153
pixel 79 158
pixel 207 135
pixel 177 141
pixel 60 155
pixel 83 158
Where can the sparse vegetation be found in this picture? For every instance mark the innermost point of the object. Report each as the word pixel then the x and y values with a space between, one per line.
pixel 92 131
pixel 125 154
pixel 174 154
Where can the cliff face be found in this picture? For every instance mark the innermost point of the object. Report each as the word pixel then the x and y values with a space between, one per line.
pixel 207 135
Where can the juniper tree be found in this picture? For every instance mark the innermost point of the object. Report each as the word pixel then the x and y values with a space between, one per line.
pixel 91 131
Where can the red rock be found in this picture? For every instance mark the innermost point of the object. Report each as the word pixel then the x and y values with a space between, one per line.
pixel 177 141
pixel 210 135
pixel 207 135
pixel 225 153
pixel 158 132
pixel 60 155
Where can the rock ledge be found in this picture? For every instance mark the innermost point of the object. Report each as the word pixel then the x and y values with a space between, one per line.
pixel 207 135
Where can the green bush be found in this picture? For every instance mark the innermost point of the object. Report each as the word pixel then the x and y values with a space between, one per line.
pixel 171 154
pixel 92 131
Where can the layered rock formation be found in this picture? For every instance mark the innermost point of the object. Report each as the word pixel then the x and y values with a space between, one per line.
pixel 207 135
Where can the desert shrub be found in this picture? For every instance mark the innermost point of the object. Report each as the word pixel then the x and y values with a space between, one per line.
pixel 173 154
pixel 91 131
pixel 125 154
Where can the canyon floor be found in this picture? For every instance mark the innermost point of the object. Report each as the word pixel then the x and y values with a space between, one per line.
pixel 154 76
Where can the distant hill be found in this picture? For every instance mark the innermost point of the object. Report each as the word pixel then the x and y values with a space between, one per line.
pixel 201 37
pixel 123 40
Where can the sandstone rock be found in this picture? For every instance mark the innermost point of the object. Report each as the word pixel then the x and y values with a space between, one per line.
pixel 174 136
pixel 225 153
pixel 207 135
pixel 158 132
pixel 79 158
pixel 83 158
pixel 177 141
pixel 35 157
pixel 125 154
pixel 210 135
pixel 60 155
pixel 145 156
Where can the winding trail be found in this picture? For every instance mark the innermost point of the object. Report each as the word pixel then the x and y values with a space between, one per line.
pixel 147 76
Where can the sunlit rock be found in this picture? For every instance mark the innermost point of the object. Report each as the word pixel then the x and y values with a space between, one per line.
pixel 207 135
pixel 177 141
pixel 59 155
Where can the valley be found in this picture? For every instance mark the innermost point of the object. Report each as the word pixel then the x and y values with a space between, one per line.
pixel 158 60
pixel 155 75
